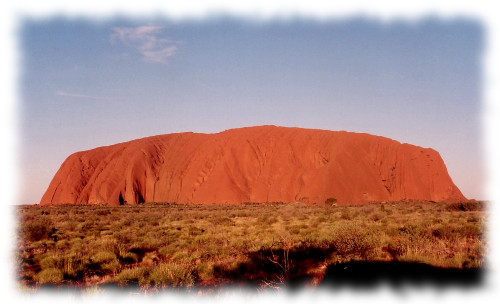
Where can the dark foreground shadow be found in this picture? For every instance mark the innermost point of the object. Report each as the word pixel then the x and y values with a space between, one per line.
pixel 293 270
pixel 371 274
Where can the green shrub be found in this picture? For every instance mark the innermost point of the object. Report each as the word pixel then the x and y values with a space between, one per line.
pixel 331 201
pixel 103 257
pixel 38 229
pixel 108 243
pixel 111 266
pixel 133 276
pixel 171 274
pixel 205 271
pixel 180 254
pixel 51 261
pixel 413 231
pixel 194 231
pixel 349 240
pixel 347 214
pixel 72 265
pixel 150 259
pixel 397 248
pixel 376 216
pixel 50 276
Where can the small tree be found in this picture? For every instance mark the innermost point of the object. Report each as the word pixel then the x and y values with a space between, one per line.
pixel 331 201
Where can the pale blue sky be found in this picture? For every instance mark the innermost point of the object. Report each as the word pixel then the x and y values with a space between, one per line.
pixel 87 83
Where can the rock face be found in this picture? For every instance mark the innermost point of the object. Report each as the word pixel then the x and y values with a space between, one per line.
pixel 255 164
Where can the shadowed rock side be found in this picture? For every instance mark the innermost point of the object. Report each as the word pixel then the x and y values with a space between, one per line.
pixel 255 164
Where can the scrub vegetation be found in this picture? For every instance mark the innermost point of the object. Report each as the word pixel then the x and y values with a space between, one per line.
pixel 156 246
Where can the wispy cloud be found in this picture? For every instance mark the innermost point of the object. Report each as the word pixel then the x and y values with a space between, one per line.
pixel 62 93
pixel 147 41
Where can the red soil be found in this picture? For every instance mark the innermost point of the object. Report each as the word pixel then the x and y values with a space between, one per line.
pixel 255 164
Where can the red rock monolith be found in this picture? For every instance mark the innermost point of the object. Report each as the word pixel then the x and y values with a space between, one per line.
pixel 254 164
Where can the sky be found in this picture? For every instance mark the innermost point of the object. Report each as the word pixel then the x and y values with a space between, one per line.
pixel 86 83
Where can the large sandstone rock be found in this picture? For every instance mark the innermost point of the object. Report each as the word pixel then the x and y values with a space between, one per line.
pixel 255 164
